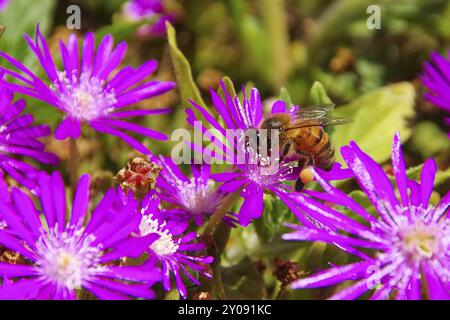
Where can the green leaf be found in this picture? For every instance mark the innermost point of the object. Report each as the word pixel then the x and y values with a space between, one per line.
pixel 183 73
pixel 442 177
pixel 257 48
pixel 428 139
pixel 413 173
pixel 275 214
pixel 172 295
pixel 120 30
pixel 318 94
pixel 229 86
pixel 243 281
pixel 274 16
pixel 377 115
pixel 286 97
pixel 22 17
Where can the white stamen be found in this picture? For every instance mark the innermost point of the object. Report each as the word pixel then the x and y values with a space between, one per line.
pixel 68 259
pixel 163 246
pixel 84 98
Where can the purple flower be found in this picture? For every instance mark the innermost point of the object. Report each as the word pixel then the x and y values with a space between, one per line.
pixel 174 248
pixel 18 137
pixel 195 198
pixel 3 5
pixel 90 89
pixel 64 255
pixel 5 196
pixel 138 10
pixel 436 78
pixel 256 174
pixel 409 238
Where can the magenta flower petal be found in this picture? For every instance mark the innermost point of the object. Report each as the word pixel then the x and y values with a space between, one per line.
pixel 18 137
pixel 252 208
pixel 3 4
pixel 436 78
pixel 173 249
pixel 141 10
pixel 69 128
pixel 195 199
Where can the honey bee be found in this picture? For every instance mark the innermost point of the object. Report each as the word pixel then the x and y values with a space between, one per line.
pixel 303 137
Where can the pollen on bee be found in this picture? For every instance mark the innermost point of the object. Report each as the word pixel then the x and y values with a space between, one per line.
pixel 306 175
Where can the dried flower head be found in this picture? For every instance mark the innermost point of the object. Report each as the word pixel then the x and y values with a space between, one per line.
pixel 139 176
pixel 286 271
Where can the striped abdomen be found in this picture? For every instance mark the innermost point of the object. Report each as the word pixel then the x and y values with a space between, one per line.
pixel 315 142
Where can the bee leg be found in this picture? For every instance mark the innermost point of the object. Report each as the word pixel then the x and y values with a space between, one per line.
pixel 286 149
pixel 299 185
pixel 305 161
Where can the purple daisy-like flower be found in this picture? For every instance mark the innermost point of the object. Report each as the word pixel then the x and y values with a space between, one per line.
pixel 410 238
pixel 174 247
pixel 90 89
pixel 436 78
pixel 63 255
pixel 138 10
pixel 252 172
pixel 18 137
pixel 194 198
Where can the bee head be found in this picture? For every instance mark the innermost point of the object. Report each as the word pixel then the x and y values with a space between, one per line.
pixel 273 123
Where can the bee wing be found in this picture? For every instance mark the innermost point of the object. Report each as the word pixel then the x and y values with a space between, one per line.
pixel 316 115
pixel 314 112
pixel 319 107
pixel 325 121
pixel 309 115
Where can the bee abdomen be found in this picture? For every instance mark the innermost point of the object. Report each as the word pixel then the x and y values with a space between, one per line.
pixel 324 156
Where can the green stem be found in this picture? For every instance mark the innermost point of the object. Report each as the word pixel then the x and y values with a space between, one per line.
pixel 217 217
pixel 276 25
pixel 281 292
pixel 73 164
pixel 219 232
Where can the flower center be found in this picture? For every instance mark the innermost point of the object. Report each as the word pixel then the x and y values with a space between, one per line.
pixel 266 173
pixel 84 98
pixel 67 258
pixel 421 241
pixel 196 195
pixel 163 246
